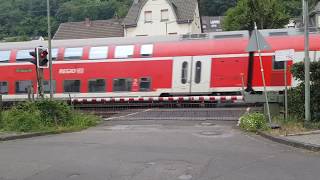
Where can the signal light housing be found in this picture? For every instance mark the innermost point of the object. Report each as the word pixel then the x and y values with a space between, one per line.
pixel 42 60
pixel 40 55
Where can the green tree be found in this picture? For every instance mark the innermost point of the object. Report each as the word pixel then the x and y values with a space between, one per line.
pixel 215 7
pixel 266 13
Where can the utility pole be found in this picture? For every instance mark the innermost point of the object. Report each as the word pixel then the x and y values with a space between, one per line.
pixel 306 61
pixel 262 73
pixel 50 49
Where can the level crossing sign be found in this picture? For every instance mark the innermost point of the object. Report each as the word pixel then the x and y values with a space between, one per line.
pixel 257 42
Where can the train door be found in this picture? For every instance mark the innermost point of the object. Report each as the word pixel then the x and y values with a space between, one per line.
pixel 181 74
pixel 201 74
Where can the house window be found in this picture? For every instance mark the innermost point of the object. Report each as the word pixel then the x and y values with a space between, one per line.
pixel 146 50
pixel 122 84
pixel 145 84
pixel 24 56
pixel 72 54
pixel 46 86
pixel 3 87
pixel 97 85
pixel 4 56
pixel 98 52
pixel 22 86
pixel 148 16
pixel 124 51
pixel 164 15
pixel 71 86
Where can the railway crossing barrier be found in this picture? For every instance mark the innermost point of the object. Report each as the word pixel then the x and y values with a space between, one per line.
pixel 164 108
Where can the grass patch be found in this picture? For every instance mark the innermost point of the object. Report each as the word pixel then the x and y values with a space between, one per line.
pixel 44 116
pixel 292 125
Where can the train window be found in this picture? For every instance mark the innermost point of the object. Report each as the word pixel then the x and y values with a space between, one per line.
pixel 3 87
pixel 98 53
pixel 4 56
pixel 23 56
pixel 22 86
pixel 184 73
pixel 122 84
pixel 71 86
pixel 97 85
pixel 277 65
pixel 54 53
pixel 145 84
pixel 72 54
pixel 146 50
pixel 124 51
pixel 198 72
pixel 46 86
pixel 228 36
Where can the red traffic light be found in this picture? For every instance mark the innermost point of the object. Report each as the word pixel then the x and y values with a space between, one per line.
pixel 43 54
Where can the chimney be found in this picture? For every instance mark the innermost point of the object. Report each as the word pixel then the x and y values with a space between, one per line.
pixel 87 22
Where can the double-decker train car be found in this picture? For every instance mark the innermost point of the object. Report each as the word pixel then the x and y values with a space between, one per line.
pixel 194 64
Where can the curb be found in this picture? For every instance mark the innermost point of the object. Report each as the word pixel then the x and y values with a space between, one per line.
pixel 31 135
pixel 293 143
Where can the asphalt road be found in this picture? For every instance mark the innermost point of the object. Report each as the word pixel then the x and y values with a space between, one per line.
pixel 156 150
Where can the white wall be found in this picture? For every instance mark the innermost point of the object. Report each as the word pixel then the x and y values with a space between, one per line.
pixel 162 28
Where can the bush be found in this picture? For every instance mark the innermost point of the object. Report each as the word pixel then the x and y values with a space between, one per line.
pixel 54 112
pixel 253 122
pixel 296 94
pixel 44 115
pixel 22 119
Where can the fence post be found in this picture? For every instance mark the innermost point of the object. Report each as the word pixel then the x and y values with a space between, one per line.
pixel 29 93
pixel 32 93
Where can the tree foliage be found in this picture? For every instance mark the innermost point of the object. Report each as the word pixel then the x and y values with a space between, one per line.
pixel 27 18
pixel 215 7
pixel 266 13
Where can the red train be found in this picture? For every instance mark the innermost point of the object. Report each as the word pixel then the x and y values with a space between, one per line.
pixel 196 64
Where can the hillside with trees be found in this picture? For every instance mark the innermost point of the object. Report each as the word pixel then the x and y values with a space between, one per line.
pixel 22 19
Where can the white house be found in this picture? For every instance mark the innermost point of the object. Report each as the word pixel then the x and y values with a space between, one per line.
pixel 162 17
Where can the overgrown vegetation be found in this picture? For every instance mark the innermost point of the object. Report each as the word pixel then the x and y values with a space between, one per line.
pixel 44 115
pixel 253 122
pixel 296 103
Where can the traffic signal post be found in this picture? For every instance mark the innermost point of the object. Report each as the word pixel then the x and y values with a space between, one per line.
pixel 40 55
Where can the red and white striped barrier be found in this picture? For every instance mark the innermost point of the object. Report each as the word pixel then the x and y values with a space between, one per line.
pixel 160 99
